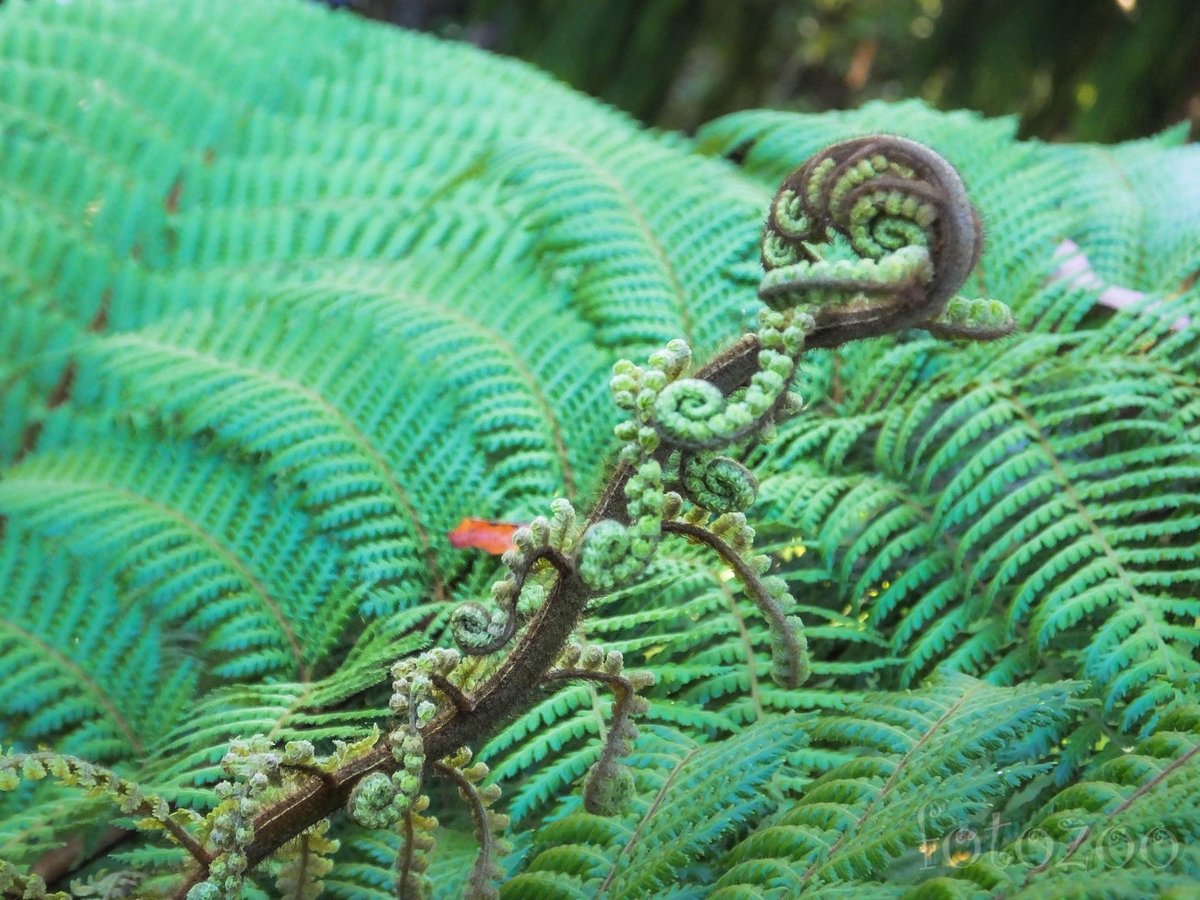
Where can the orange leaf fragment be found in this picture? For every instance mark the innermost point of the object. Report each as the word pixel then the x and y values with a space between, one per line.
pixel 482 534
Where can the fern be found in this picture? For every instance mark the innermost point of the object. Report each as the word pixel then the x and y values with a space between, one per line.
pixel 94 692
pixel 280 312
pixel 1036 477
pixel 913 771
pixel 693 797
pixel 1126 827
pixel 183 543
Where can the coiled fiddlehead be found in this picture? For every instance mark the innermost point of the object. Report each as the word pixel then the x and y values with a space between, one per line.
pixel 695 414
pixel 904 211
pixel 717 483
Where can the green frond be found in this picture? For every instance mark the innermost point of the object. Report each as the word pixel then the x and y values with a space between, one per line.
pixel 1019 497
pixel 36 817
pixel 204 545
pixel 600 213
pixel 1127 828
pixel 331 432
pixel 79 671
pixel 921 764
pixel 690 799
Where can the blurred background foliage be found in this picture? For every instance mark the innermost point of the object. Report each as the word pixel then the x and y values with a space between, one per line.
pixel 1090 70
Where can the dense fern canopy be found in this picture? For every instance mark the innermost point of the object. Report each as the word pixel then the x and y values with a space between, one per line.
pixel 285 295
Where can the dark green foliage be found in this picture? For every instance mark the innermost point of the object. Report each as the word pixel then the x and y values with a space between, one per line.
pixel 287 296
pixel 917 766
pixel 1104 70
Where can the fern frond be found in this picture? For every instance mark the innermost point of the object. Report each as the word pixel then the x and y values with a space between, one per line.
pixel 597 211
pixel 920 763
pixel 78 670
pixel 197 541
pixel 1127 827
pixel 331 430
pixel 690 799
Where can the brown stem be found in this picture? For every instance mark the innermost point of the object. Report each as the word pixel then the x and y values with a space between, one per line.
pixel 796 653
pixel 185 840
pixel 407 855
pixel 479 815
pixel 516 686
pixel 512 689
pixel 460 700
pixel 551 555
pixel 310 770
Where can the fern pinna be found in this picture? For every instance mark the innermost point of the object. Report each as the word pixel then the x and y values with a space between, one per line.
pixel 280 312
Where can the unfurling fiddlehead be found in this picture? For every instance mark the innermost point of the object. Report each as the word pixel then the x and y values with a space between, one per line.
pixel 717 483
pixel 905 213
pixel 685 420
pixel 609 783
pixel 902 212
pixel 479 630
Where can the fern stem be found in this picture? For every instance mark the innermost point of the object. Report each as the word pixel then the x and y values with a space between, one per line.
pixel 516 685
pixel 622 712
pixel 460 700
pixel 513 688
pixel 479 816
pixel 780 627
pixel 407 854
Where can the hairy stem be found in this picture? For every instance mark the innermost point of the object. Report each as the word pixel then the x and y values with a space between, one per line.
pixel 479 816
pixel 512 689
pixel 515 686
pixel 797 654
pixel 622 711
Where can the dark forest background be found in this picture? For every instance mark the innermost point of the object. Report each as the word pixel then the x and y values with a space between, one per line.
pixel 1085 70
pixel 1092 70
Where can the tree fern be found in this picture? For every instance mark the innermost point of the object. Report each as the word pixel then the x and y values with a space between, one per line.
pixel 279 312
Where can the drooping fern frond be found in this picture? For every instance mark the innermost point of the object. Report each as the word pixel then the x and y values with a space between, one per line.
pixel 916 766
pixel 329 430
pixel 617 232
